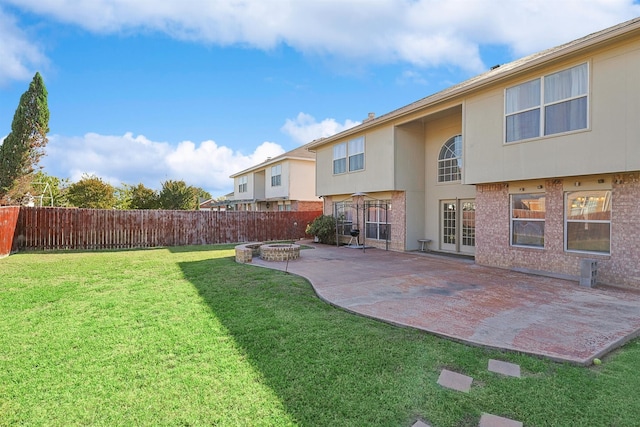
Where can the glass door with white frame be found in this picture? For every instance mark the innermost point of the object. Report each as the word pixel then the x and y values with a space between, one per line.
pixel 458 226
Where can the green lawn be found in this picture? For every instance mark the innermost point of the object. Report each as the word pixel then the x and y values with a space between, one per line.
pixel 185 336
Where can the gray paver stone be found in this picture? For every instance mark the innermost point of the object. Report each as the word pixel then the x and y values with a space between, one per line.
pixel 455 381
pixel 420 423
pixel 488 420
pixel 504 368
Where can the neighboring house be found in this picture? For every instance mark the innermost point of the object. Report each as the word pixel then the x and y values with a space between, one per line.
pixel 533 165
pixel 207 204
pixel 282 183
pixel 220 205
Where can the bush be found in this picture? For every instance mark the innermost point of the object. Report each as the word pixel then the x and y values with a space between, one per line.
pixel 324 228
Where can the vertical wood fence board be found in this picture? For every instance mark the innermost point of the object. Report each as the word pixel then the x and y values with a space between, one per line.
pixel 8 225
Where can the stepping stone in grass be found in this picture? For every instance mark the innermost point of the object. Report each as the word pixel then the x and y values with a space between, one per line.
pixel 420 423
pixel 488 420
pixel 504 368
pixel 455 381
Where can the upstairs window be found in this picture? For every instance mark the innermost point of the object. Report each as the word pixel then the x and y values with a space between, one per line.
pixel 450 160
pixel 552 104
pixel 276 175
pixel 348 156
pixel 242 184
pixel 339 158
pixel 356 154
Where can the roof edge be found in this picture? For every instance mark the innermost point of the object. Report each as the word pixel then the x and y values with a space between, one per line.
pixel 492 76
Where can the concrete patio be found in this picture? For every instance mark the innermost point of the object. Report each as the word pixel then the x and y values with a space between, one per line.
pixel 455 298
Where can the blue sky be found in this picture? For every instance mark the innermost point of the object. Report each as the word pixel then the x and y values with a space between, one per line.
pixel 144 91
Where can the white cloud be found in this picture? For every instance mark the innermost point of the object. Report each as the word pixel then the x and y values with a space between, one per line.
pixel 423 33
pixel 135 159
pixel 411 77
pixel 304 128
pixel 19 54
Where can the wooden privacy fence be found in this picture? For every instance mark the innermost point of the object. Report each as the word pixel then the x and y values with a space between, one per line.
pixel 42 228
pixel 8 221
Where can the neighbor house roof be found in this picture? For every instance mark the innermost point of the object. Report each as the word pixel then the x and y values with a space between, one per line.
pixel 496 74
pixel 300 153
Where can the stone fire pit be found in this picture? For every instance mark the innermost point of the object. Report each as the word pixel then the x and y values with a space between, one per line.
pixel 279 252
pixel 267 251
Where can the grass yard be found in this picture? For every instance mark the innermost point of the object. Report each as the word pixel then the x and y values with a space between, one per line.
pixel 185 336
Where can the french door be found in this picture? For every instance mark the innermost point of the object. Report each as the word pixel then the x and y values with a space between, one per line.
pixel 458 225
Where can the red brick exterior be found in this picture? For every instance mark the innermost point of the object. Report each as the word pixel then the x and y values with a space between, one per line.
pixel 621 267
pixel 302 206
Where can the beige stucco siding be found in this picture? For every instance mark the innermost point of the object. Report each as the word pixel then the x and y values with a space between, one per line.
pixel 378 172
pixel 609 144
pixel 259 185
pixel 437 132
pixel 250 193
pixel 409 156
pixel 281 190
pixel 410 177
pixel 302 180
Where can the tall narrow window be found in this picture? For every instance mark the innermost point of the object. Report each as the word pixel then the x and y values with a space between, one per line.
pixel 356 154
pixel 527 220
pixel 522 109
pixel 450 160
pixel 377 220
pixel 276 175
pixel 242 184
pixel 588 221
pixel 339 158
pixel 469 223
pixel 565 98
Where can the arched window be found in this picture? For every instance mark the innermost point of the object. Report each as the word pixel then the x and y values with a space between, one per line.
pixel 450 160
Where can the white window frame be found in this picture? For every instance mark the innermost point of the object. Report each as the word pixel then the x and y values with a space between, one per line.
pixel 340 158
pixel 242 184
pixel 541 100
pixel 446 173
pixel 586 194
pixel 276 175
pixel 349 156
pixel 529 219
pixel 355 152
pixel 376 222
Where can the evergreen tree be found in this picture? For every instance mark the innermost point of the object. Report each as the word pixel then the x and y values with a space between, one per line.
pixel 23 147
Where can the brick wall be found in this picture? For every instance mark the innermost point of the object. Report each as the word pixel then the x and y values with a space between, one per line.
pixel 302 206
pixel 624 266
pixel 621 267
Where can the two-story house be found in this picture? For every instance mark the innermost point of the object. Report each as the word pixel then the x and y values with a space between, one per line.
pixel 282 183
pixel 533 165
